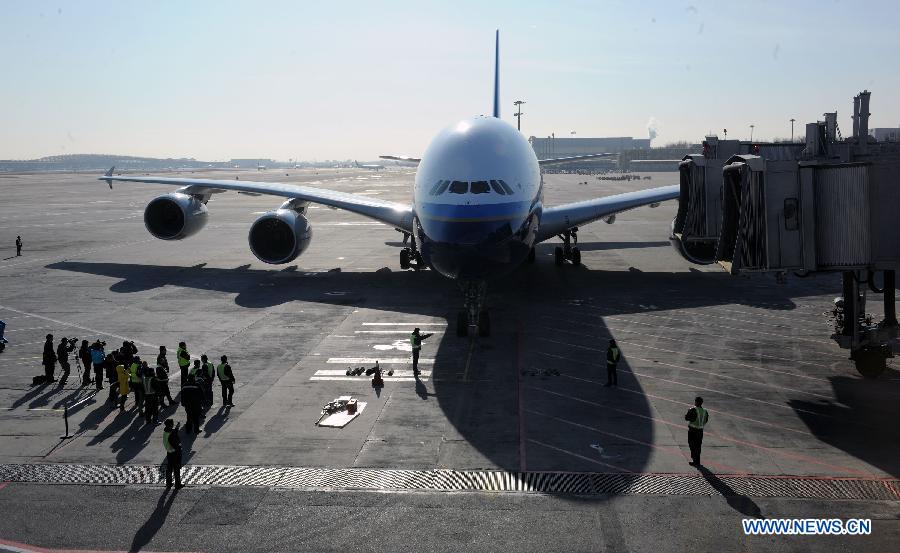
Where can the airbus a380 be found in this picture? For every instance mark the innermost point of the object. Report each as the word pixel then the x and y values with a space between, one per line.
pixel 477 210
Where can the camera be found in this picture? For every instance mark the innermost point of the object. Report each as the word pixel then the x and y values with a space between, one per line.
pixel 72 341
pixel 100 343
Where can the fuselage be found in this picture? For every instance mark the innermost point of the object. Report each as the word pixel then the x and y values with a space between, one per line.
pixel 477 200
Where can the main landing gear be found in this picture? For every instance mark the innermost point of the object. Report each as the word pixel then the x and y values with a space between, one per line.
pixel 474 312
pixel 568 251
pixel 410 258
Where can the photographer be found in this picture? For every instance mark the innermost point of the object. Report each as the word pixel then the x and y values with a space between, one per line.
pixel 63 350
pixel 84 353
pixel 98 359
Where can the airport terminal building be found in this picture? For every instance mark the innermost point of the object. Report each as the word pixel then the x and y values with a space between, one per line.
pixel 550 146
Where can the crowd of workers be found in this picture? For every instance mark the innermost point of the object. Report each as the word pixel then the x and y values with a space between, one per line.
pixel 127 374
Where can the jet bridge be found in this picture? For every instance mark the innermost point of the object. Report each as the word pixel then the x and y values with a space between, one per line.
pixel 829 205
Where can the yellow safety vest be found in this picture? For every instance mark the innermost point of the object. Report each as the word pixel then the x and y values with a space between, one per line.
pixel 700 421
pixel 133 375
pixel 194 369
pixel 181 361
pixel 415 341
pixel 210 370
pixel 168 445
pixel 221 370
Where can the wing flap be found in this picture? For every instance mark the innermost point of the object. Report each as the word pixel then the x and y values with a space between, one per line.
pixel 560 218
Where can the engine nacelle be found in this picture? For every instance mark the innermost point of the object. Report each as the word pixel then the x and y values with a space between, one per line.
pixel 175 216
pixel 280 236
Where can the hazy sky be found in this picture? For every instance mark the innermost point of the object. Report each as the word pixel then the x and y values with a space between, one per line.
pixel 337 80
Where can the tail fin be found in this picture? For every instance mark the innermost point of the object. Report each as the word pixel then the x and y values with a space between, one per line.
pixel 356 162
pixel 497 75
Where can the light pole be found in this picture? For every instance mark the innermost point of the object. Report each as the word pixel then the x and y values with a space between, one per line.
pixel 792 129
pixel 751 132
pixel 518 115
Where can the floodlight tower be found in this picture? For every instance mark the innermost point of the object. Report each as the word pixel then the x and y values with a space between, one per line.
pixel 518 114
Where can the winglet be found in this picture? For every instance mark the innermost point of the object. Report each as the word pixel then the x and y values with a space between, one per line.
pixel 497 75
pixel 109 174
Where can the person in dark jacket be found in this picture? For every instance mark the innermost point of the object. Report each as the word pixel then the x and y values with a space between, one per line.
pixel 18 246
pixel 226 378
pixel 151 394
pixel 191 399
pixel 62 355
pixel 697 418
pixel 613 354
pixel 162 381
pixel 98 360
pixel 49 359
pixel 172 444
pixel 84 353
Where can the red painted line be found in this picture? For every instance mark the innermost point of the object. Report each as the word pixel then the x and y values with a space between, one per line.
pixel 518 366
pixel 4 484
pixel 774 451
pixel 686 404
pixel 668 450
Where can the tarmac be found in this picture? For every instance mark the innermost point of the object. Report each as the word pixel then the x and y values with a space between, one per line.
pixel 507 440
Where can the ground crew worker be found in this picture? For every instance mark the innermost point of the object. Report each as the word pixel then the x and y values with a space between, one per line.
pixel 612 360
pixel 84 353
pixel 172 443
pixel 697 418
pixel 136 381
pixel 226 378
pixel 62 354
pixel 18 246
pixel 209 376
pixel 191 399
pixel 124 378
pixel 415 340
pixel 184 360
pixel 162 385
pixel 49 359
pixel 151 406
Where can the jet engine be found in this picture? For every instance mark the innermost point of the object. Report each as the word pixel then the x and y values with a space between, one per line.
pixel 175 216
pixel 281 235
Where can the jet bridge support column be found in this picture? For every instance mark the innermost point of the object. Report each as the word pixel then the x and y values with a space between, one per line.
pixel 890 302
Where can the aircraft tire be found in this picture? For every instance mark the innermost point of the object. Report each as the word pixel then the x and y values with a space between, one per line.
pixel 870 362
pixel 462 324
pixel 531 255
pixel 558 256
pixel 576 256
pixel 404 259
pixel 484 324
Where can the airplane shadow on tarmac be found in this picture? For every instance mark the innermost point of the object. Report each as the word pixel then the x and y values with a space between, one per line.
pixel 488 411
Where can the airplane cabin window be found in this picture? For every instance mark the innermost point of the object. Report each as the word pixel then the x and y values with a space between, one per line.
pixel 459 187
pixel 506 187
pixel 480 187
pixel 497 188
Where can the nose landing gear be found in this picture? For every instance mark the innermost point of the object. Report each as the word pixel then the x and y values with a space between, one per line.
pixel 410 258
pixel 474 312
pixel 568 251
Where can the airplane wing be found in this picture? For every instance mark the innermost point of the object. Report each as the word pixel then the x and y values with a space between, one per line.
pixel 558 219
pixel 558 160
pixel 394 214
pixel 402 158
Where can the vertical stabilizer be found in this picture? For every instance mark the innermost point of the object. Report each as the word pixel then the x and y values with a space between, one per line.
pixel 497 75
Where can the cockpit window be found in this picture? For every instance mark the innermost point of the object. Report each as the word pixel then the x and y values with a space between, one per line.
pixel 459 187
pixel 440 187
pixel 497 188
pixel 480 187
pixel 506 187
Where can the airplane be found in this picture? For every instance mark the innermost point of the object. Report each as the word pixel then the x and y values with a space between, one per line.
pixel 374 166
pixel 476 214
